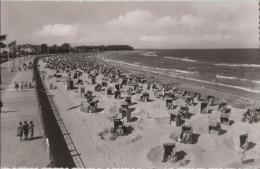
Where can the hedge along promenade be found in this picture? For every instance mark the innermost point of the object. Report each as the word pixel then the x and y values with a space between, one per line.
pixel 59 151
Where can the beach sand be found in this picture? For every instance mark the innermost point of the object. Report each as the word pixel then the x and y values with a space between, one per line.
pixel 150 128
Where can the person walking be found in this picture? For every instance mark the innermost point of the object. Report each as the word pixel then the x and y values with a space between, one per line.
pixel 21 86
pixel 31 129
pixel 16 85
pixel 25 130
pixel 20 131
pixel 1 104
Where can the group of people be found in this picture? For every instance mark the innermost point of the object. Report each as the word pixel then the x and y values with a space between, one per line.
pixel 23 85
pixel 25 129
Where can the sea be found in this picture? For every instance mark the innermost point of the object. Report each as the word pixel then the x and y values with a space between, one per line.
pixel 239 68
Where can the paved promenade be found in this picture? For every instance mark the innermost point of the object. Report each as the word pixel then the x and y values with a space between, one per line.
pixel 20 106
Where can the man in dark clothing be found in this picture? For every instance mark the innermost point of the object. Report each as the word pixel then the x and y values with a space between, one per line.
pixel 25 130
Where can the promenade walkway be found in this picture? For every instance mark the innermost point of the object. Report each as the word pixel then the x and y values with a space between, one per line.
pixel 20 106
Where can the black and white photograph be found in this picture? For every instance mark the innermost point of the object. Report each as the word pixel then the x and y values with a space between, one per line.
pixel 130 84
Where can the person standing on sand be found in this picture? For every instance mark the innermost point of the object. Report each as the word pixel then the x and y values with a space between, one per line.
pixel 20 131
pixel 242 153
pixel 25 130
pixel 31 129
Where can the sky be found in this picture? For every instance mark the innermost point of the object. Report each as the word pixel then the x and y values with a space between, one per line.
pixel 144 25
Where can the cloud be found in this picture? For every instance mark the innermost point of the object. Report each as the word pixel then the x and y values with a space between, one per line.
pixel 192 21
pixel 148 28
pixel 214 37
pixel 57 30
pixel 133 19
pixel 152 38
pixel 141 19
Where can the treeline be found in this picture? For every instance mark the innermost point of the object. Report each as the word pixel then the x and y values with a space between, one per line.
pixel 101 48
pixel 55 49
pixel 64 48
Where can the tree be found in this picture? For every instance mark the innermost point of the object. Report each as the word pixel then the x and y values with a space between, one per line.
pixel 54 49
pixel 44 48
pixel 65 48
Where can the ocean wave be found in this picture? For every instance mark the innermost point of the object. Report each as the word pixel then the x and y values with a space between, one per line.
pixel 227 77
pixel 237 65
pixel 149 54
pixel 182 59
pixel 137 67
pixel 226 85
pixel 137 64
pixel 236 78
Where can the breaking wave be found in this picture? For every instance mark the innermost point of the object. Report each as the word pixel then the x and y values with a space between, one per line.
pixel 152 69
pixel 182 59
pixel 149 54
pixel 237 65
pixel 236 78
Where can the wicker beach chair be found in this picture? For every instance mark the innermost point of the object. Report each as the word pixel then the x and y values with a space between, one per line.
pixel 104 83
pixel 117 95
pixel 109 91
pixel 184 94
pixel 210 100
pixel 204 108
pixel 243 140
pixel 189 100
pixel 186 135
pixel 119 128
pixel 98 87
pixel 224 118
pixel 92 107
pixel 214 125
pixel 169 104
pixel 169 152
pixel 93 80
pixel 251 116
pixel 145 97
pixel 128 100
pixel 124 82
pixel 117 87
pixel 70 85
pixel 183 112
pixel 222 107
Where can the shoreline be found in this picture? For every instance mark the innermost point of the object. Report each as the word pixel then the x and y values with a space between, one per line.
pixel 248 84
pixel 185 83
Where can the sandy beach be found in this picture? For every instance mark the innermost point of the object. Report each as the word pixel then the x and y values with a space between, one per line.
pixel 150 126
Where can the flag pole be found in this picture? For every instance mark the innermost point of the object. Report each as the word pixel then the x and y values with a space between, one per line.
pixel 8 59
pixel 8 50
